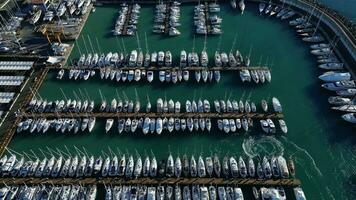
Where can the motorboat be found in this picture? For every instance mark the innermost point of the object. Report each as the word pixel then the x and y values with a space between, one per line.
pixel 283 125
pixel 276 105
pixel 332 76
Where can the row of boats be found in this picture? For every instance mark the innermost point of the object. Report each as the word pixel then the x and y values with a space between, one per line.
pixel 68 105
pixel 162 59
pixel 158 125
pixel 53 192
pixel 113 165
pixel 62 125
pixel 162 106
pixel 126 23
pixel 136 75
pixel 191 106
pixel 335 79
pixel 206 20
pixel 270 9
pixel 195 192
pixel 167 18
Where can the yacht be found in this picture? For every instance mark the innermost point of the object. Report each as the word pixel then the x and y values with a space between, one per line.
pixel 332 76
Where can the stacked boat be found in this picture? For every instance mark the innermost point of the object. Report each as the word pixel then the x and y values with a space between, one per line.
pixel 49 192
pixel 167 18
pixel 177 192
pixel 126 23
pixel 60 125
pixel 206 20
pixel 129 166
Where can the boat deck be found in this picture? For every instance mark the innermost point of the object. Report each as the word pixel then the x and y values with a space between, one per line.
pixel 153 181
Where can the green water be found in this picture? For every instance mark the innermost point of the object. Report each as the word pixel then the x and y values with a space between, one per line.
pixel 322 144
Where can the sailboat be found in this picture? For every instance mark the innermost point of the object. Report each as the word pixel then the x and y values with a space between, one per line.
pixel 108 125
pixel 242 6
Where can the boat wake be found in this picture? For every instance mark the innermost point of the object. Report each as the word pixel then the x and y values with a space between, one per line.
pixel 264 145
pixel 311 159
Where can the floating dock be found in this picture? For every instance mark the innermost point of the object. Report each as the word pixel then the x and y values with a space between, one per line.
pixel 158 115
pixel 153 182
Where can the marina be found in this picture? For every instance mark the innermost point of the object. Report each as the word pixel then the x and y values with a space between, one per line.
pixel 54 95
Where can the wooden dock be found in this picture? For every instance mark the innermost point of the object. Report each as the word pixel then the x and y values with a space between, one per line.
pixel 159 115
pixel 207 21
pixel 212 68
pixel 127 20
pixel 152 182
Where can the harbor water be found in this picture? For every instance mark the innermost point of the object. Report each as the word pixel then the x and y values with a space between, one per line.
pixel 321 143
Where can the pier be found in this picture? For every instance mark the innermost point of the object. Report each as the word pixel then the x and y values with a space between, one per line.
pixel 166 20
pixel 207 21
pixel 158 115
pixel 127 20
pixel 152 181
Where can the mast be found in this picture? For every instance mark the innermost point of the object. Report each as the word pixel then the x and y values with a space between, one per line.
pixel 85 45
pixel 91 45
pixel 146 43
pixel 97 43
